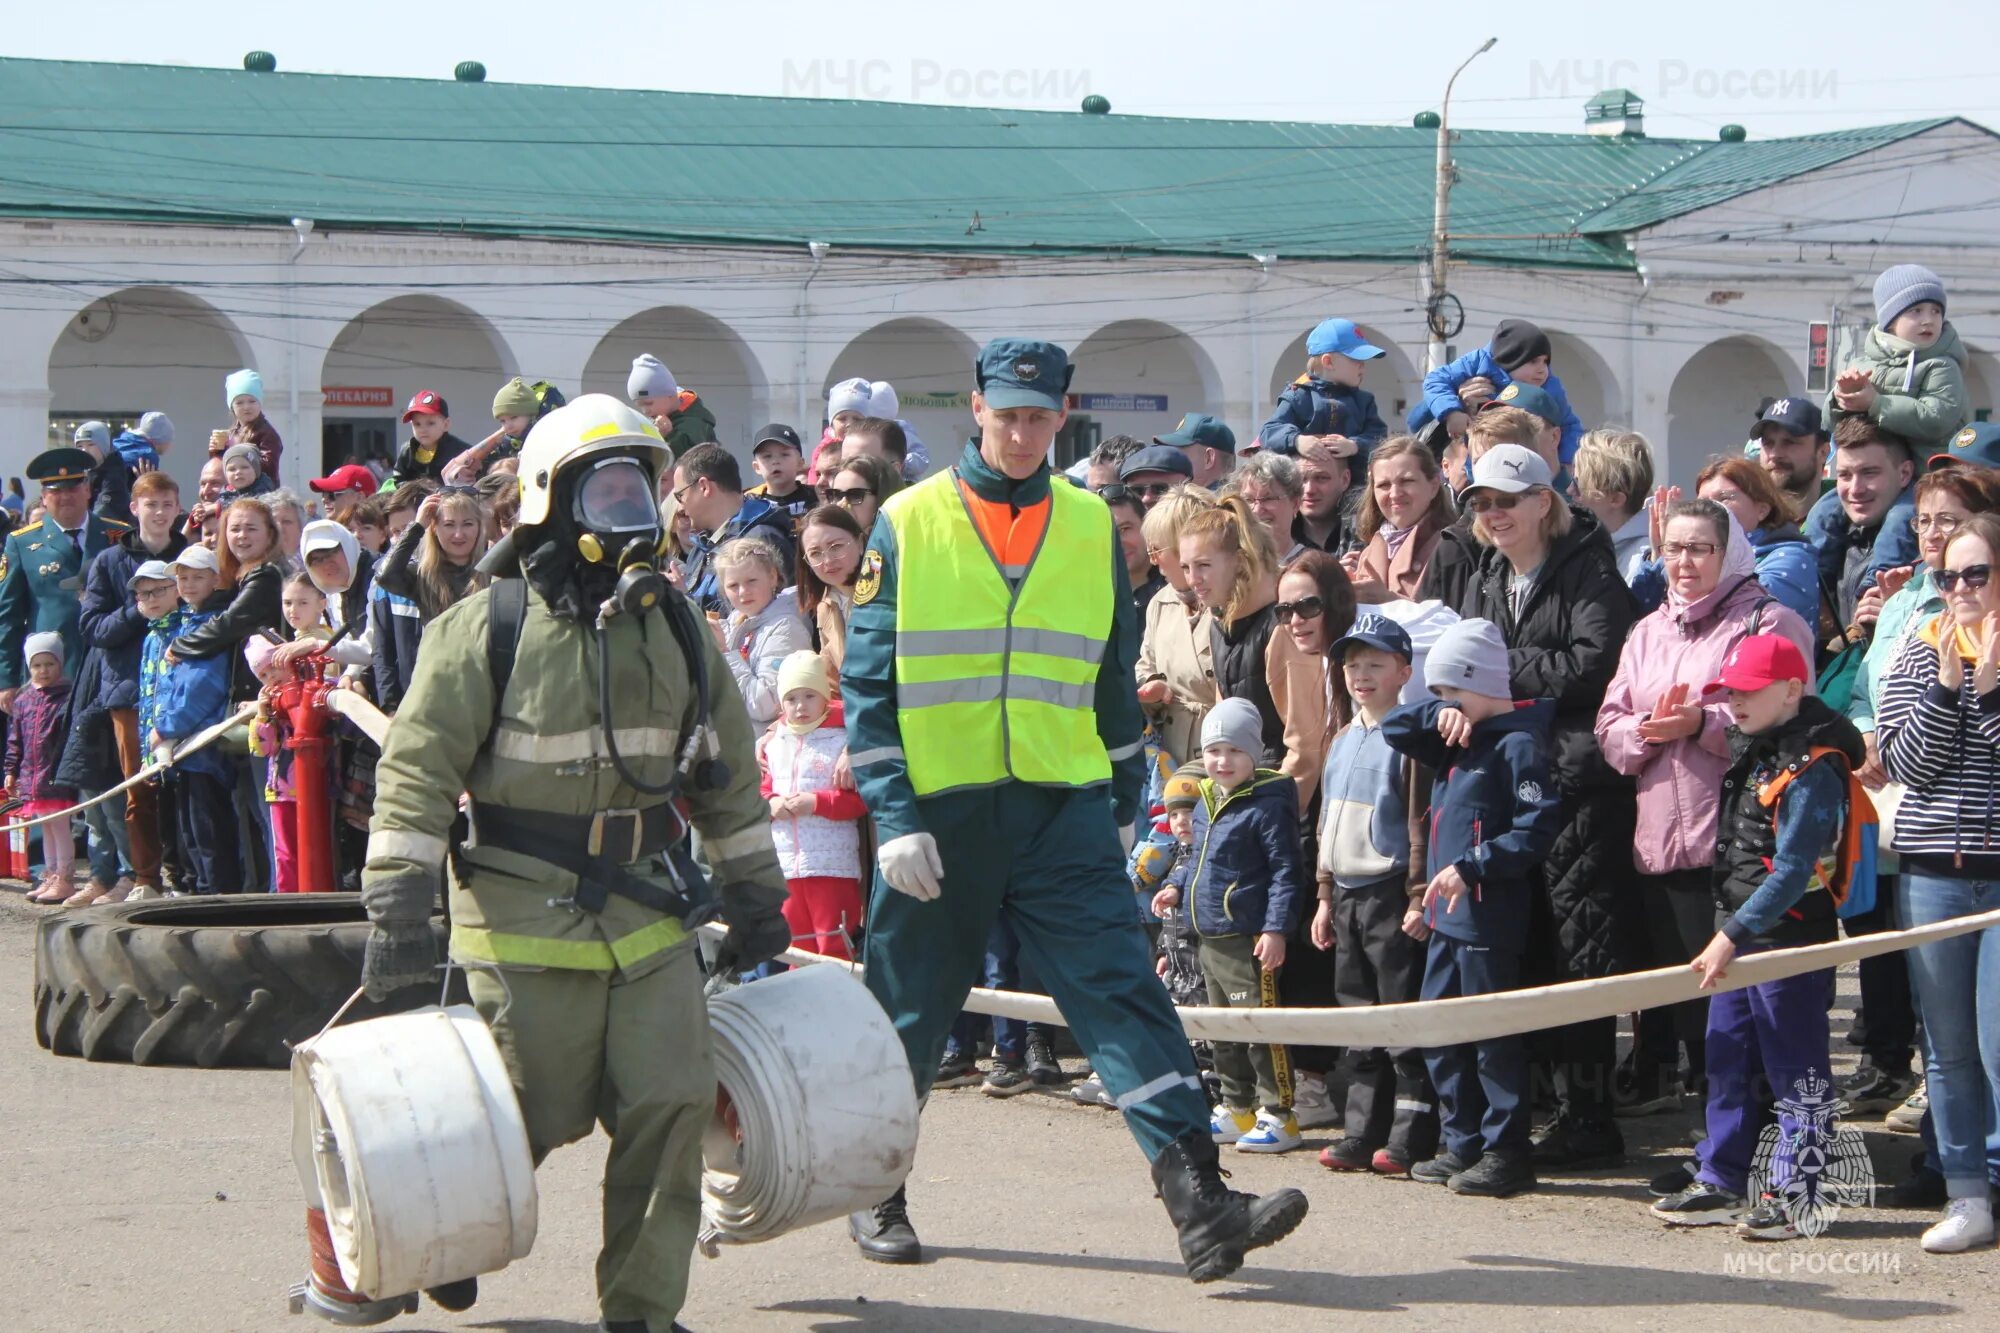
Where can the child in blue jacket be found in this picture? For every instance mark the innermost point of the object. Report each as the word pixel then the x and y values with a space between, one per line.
pixel 1327 404
pixel 1494 816
pixel 1519 351
pixel 180 697
pixel 1245 885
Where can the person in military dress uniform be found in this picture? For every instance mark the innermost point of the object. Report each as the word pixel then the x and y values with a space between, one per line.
pixel 573 733
pixel 994 731
pixel 41 569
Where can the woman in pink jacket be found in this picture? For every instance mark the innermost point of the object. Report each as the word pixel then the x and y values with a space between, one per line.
pixel 1654 727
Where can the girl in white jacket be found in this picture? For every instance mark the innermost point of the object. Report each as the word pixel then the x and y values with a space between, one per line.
pixel 815 825
pixel 764 626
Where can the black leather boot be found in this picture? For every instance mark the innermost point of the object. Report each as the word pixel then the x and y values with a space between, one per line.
pixel 455 1296
pixel 884 1232
pixel 1218 1225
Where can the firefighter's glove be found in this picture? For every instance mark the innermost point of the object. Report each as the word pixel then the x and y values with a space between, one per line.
pixel 399 954
pixel 753 938
pixel 910 865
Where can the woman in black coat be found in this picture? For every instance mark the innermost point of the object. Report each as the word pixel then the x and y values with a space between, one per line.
pixel 1546 575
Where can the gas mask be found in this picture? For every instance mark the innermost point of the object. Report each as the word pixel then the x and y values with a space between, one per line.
pixel 618 533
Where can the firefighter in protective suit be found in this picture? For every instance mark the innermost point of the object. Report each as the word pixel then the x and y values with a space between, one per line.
pixel 584 750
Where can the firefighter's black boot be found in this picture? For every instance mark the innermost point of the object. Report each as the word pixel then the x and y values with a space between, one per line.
pixel 1218 1225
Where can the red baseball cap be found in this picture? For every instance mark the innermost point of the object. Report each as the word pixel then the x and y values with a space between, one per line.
pixel 1757 661
pixel 349 477
pixel 426 400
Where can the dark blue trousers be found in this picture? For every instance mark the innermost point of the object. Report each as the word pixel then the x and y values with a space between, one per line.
pixel 205 809
pixel 1774 1034
pixel 1482 1087
pixel 1002 969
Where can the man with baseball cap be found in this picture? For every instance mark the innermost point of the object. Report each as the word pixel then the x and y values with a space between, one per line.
pixel 344 487
pixel 1153 471
pixel 1978 445
pixel 1210 446
pixel 780 460
pixel 431 445
pixel 996 738
pixel 1790 442
pixel 41 568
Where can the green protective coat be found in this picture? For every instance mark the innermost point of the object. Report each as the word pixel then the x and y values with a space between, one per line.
pixel 599 1017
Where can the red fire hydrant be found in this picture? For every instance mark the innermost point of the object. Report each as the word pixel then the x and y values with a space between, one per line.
pixel 306 723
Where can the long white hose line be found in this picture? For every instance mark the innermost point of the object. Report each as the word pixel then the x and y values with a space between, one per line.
pixel 201 740
pixel 1425 1023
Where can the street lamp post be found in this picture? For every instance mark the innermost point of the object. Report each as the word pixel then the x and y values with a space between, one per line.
pixel 1434 288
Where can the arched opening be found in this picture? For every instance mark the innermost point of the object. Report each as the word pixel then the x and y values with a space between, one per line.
pixel 1713 401
pixel 390 352
pixel 705 356
pixel 1392 377
pixel 929 364
pixel 1982 382
pixel 1587 381
pixel 1138 377
pixel 145 349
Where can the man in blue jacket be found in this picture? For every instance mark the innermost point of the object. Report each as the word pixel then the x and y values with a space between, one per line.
pixel 708 486
pixel 1520 351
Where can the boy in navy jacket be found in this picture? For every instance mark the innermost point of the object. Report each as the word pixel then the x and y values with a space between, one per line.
pixel 1519 351
pixel 1246 886
pixel 1494 816
pixel 1327 404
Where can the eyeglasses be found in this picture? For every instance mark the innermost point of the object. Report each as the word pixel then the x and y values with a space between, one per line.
pixel 1306 608
pixel 1151 491
pixel 1975 577
pixel 459 488
pixel 679 491
pixel 1942 523
pixel 1479 504
pixel 1113 491
pixel 850 497
pixel 1699 550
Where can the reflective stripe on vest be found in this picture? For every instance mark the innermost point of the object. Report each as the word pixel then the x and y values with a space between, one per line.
pixel 995 682
pixel 572 955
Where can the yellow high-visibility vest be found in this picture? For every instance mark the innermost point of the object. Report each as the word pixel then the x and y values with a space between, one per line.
pixel 994 685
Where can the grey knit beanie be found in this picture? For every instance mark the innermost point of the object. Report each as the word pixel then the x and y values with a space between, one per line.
pixel 1903 286
pixel 1234 722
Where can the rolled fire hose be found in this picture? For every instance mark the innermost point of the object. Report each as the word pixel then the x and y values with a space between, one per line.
pixel 819 1113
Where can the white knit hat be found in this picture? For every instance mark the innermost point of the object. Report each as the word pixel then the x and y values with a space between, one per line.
pixel 855 395
pixel 48 641
pixel 650 378
pixel 805 671
pixel 882 401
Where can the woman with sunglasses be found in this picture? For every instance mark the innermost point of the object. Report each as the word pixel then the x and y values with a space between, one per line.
pixel 1405 508
pixel 860 487
pixel 1551 584
pixel 831 542
pixel 1938 729
pixel 1654 728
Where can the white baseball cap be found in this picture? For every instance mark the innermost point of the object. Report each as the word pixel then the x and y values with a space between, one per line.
pixel 196 557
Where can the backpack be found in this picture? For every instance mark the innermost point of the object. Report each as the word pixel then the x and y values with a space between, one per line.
pixel 1847 872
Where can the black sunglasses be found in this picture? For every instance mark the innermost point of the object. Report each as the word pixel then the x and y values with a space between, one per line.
pixel 853 495
pixel 1306 608
pixel 1975 576
pixel 1114 491
pixel 1479 504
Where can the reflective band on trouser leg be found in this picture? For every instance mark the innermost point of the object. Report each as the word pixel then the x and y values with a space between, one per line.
pixel 994 682
pixel 1281 1056
pixel 576 955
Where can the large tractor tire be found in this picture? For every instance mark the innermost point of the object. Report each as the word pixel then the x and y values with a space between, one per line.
pixel 227 982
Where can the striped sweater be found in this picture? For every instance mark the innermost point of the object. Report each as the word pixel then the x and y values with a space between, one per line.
pixel 1944 747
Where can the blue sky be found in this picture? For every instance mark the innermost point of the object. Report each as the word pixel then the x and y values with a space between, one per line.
pixel 1777 70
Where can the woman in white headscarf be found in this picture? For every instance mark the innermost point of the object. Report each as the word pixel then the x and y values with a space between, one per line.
pixel 1655 727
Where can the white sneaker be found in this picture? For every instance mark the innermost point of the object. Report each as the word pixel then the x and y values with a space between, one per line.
pixel 1228 1124
pixel 1271 1133
pixel 144 893
pixel 1314 1109
pixel 1966 1223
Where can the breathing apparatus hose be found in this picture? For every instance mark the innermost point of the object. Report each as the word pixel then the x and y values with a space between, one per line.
pixel 709 774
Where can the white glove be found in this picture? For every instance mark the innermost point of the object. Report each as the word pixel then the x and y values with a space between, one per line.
pixel 910 865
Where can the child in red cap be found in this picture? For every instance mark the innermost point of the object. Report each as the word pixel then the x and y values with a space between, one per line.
pixel 1785 801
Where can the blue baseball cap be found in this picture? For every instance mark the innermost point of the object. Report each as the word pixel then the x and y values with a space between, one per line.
pixel 1340 335
pixel 1023 372
pixel 1794 416
pixel 1978 445
pixel 1375 630
pixel 1530 398
pixel 1194 428
pixel 1156 458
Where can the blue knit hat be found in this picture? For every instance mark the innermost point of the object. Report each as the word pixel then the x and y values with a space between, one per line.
pixel 1903 286
pixel 242 384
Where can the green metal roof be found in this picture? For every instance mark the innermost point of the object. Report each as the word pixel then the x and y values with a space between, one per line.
pixel 166 144
pixel 1721 171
